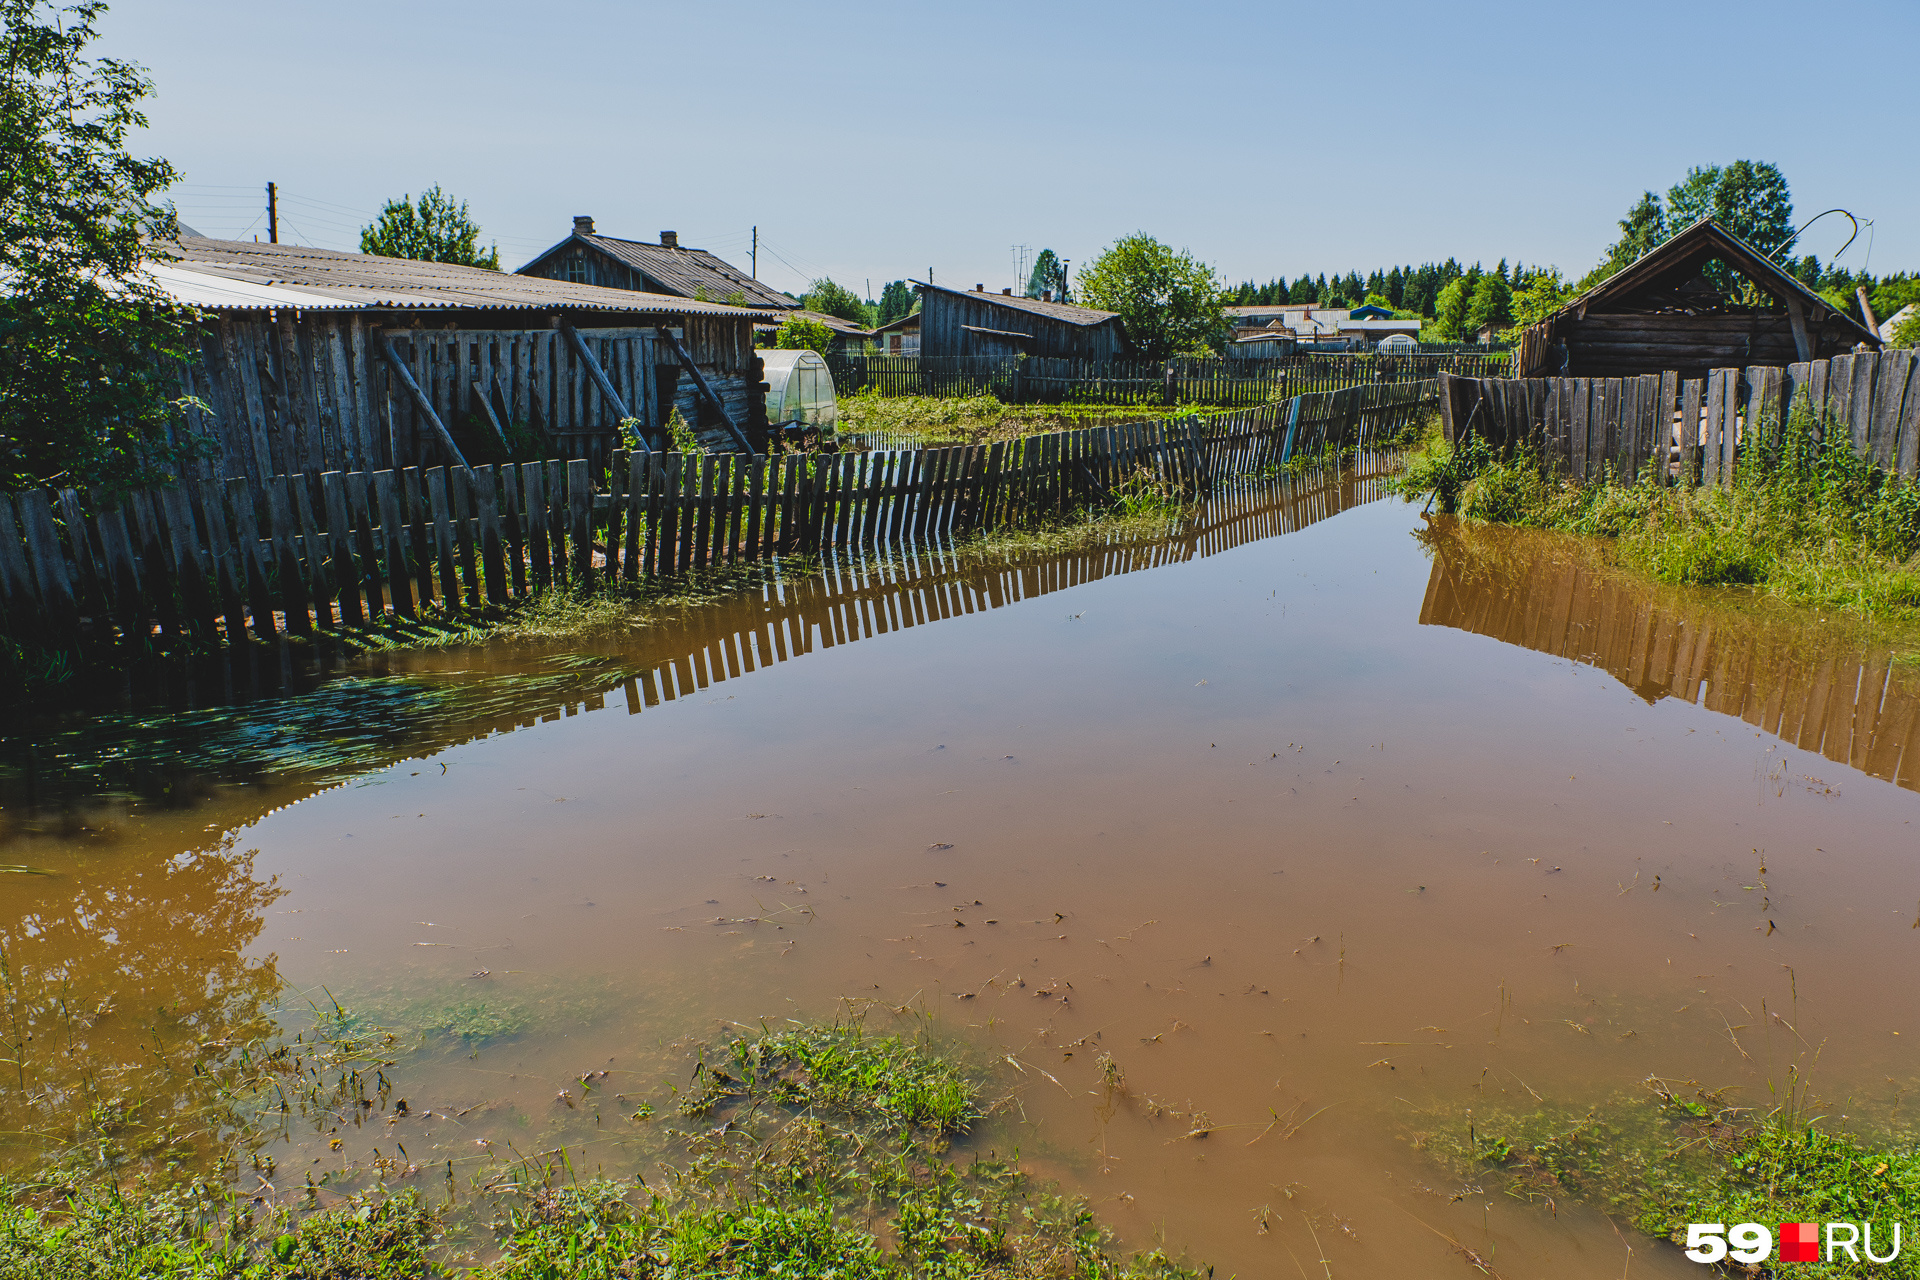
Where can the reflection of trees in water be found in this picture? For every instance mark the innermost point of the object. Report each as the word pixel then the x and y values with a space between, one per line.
pixel 1775 668
pixel 130 1019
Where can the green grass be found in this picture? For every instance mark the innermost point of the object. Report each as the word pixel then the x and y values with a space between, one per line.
pixel 811 1152
pixel 1805 521
pixel 1662 1160
pixel 949 420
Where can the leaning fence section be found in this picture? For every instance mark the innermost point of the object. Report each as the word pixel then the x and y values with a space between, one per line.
pixel 219 562
pixel 1186 380
pixel 1693 430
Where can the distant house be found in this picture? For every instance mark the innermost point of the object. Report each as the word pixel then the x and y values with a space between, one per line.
pixel 899 337
pixel 847 336
pixel 1670 312
pixel 1895 320
pixel 1315 327
pixel 312 360
pixel 959 322
pixel 587 257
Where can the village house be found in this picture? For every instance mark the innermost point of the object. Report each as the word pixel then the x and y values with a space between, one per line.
pixel 898 337
pixel 1263 329
pixel 960 322
pixel 587 257
pixel 311 359
pixel 1672 310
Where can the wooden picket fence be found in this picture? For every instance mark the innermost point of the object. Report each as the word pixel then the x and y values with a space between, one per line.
pixel 1693 430
pixel 1203 381
pixel 214 562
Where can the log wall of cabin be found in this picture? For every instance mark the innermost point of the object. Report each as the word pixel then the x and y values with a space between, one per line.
pixel 1614 346
pixel 272 394
pixel 944 315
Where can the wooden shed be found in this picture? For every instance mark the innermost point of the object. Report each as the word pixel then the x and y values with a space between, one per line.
pixel 310 359
pixel 1669 312
pixel 958 322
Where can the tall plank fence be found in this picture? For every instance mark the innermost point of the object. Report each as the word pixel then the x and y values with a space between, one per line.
pixel 1047 380
pixel 1693 430
pixel 215 562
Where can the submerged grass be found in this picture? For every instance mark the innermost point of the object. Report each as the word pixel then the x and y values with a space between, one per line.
pixel 817 1151
pixel 1663 1159
pixel 934 421
pixel 1805 521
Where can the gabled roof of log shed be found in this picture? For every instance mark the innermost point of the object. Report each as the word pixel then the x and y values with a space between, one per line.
pixel 844 328
pixel 678 269
pixel 1062 311
pixel 1654 281
pixel 246 275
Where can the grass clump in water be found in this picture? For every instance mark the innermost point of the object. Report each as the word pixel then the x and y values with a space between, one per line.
pixel 813 1153
pixel 1663 1160
pixel 1805 519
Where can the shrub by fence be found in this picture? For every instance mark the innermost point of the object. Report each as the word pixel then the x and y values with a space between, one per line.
pixel 213 562
pixel 1041 379
pixel 1693 430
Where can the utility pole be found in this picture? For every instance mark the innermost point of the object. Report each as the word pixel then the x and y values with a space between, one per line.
pixel 273 213
pixel 755 269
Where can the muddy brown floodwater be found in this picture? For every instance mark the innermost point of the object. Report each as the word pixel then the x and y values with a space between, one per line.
pixel 1360 826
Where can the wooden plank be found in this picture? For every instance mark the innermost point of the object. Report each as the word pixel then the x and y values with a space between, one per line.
pixel 243 502
pixel 556 517
pixel 393 538
pixel 1716 409
pixel 703 521
pixel 1691 390
pixel 533 521
pixel 1839 414
pixel 291 590
pixel 493 547
pixel 639 469
pixel 580 517
pixel 617 471
pixel 417 531
pixel 1579 425
pixel 655 513
pixel 688 515
pixel 756 497
pixel 460 488
pixel 19 601
pixel 1730 427
pixel 89 584
pixel 440 510
pixel 1860 411
pixel 735 470
pixel 116 550
pixel 513 526
pixel 1908 447
pixel 319 582
pixel 1889 397
pixel 1663 427
pixel 346 575
pixel 420 400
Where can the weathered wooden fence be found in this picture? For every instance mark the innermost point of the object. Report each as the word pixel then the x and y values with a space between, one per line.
pixel 1041 379
pixel 1693 430
pixel 218 561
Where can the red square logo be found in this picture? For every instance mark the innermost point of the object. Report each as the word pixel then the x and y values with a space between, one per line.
pixel 1799 1242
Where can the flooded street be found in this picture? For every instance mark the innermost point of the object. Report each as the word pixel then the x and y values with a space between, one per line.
pixel 1319 840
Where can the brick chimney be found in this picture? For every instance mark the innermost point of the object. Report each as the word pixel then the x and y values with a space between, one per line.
pixel 979 288
pixel 1008 292
pixel 669 239
pixel 582 225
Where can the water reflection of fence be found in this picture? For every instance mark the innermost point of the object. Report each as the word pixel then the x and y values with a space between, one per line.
pixel 855 599
pixel 215 563
pixel 1692 428
pixel 1846 704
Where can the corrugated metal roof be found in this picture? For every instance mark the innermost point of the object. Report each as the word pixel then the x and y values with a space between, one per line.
pixel 845 328
pixel 245 275
pixel 1033 306
pixel 681 271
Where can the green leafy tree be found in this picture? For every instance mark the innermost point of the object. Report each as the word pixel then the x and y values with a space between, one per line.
pixel 1492 304
pixel 1643 229
pixel 1170 303
pixel 1049 275
pixel 85 340
pixel 1907 332
pixel 1449 313
pixel 437 229
pixel 1542 293
pixel 831 299
pixel 803 333
pixel 1748 197
pixel 897 300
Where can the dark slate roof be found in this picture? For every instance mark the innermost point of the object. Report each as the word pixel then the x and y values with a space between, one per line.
pixel 296 276
pixel 1061 311
pixel 679 270
pixel 843 328
pixel 1656 279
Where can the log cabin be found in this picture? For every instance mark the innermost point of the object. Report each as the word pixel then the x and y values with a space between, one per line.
pixel 312 359
pixel 1705 299
pixel 975 323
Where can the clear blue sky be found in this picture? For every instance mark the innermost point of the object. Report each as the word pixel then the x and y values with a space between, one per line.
pixel 877 140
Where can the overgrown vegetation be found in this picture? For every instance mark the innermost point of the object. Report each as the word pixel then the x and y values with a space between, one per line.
pixel 1673 1155
pixel 948 420
pixel 1805 520
pixel 807 1152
